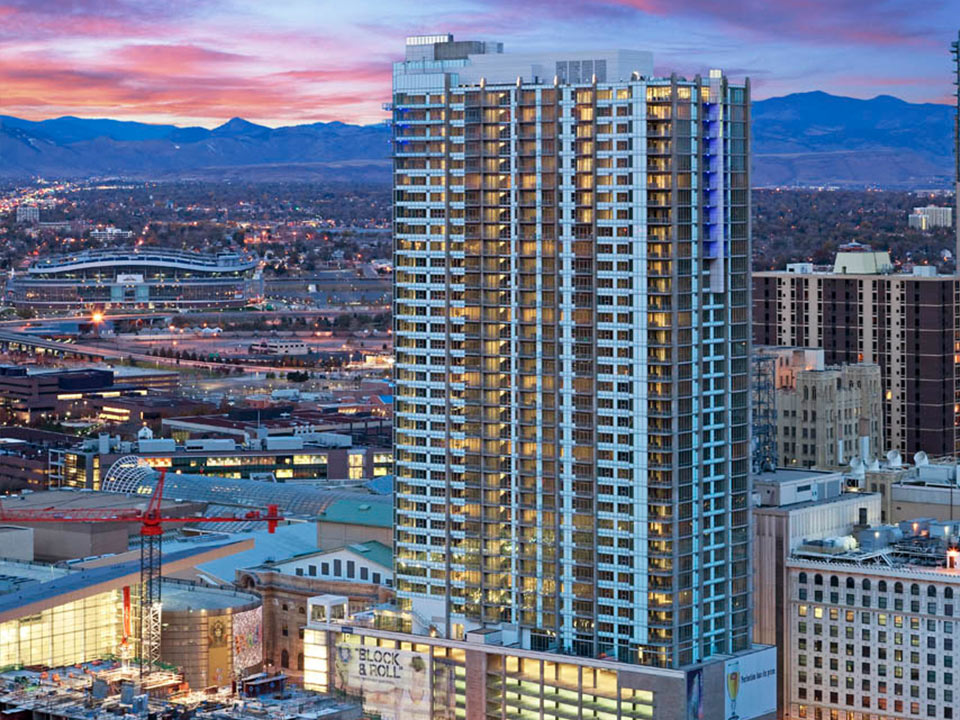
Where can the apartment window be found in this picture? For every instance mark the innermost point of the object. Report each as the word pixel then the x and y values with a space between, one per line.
pixel 313 570
pixel 325 568
pixel 338 568
pixel 351 568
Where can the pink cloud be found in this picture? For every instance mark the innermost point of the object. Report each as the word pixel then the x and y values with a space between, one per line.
pixel 172 59
pixel 183 87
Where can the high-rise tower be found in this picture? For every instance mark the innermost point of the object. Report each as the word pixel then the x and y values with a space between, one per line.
pixel 572 319
pixel 572 405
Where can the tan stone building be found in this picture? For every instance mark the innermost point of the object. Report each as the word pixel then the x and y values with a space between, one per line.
pixel 823 415
pixel 362 572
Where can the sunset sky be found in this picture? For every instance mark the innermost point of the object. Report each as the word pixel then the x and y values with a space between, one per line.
pixel 282 62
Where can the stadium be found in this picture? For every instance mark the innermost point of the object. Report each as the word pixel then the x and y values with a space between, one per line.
pixel 142 279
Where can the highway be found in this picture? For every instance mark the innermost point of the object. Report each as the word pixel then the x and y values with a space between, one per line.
pixel 113 353
pixel 202 315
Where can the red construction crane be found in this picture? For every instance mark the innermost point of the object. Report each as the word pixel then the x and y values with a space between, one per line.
pixel 151 534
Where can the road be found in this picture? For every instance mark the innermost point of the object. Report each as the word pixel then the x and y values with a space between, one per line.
pixel 201 315
pixel 112 353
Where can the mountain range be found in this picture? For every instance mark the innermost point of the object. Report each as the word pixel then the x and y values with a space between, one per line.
pixel 802 139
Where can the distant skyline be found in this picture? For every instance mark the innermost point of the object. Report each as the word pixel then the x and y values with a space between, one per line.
pixel 201 62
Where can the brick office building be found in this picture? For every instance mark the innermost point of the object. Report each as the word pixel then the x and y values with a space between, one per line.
pixel 863 312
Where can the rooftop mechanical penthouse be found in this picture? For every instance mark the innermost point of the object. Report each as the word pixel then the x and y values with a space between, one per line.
pixel 144 279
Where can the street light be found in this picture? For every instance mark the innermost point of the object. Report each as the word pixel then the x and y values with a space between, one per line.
pixel 97 320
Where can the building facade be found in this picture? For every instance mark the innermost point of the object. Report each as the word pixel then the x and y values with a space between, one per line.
pixel 362 572
pixel 794 506
pixel 831 416
pixel 29 395
pixel 293 461
pixel 905 323
pixel 572 343
pixel 930 216
pixel 869 640
pixel 147 279
pixel 28 214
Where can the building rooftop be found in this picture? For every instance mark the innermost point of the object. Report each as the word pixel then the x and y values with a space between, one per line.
pixel 372 550
pixel 921 544
pixel 288 540
pixel 131 475
pixel 781 475
pixel 251 425
pixel 46 586
pixel 68 499
pixel 359 511
pixel 179 596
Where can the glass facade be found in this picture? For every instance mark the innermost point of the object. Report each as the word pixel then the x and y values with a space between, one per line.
pixel 572 335
pixel 133 475
pixel 71 633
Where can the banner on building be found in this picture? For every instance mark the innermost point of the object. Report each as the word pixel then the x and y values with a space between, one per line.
pixel 219 667
pixel 750 684
pixel 394 684
pixel 247 639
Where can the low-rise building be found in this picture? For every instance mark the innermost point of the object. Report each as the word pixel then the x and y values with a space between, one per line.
pixel 362 572
pixel 30 395
pixel 246 424
pixel 25 456
pixel 53 616
pixel 343 516
pixel 127 414
pixel 293 459
pixel 28 214
pixel 278 346
pixel 375 657
pixel 71 540
pixel 213 635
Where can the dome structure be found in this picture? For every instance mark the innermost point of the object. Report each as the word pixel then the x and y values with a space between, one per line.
pixel 130 475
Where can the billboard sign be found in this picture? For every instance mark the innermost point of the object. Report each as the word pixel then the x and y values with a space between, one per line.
pixel 750 685
pixel 394 684
pixel 129 279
